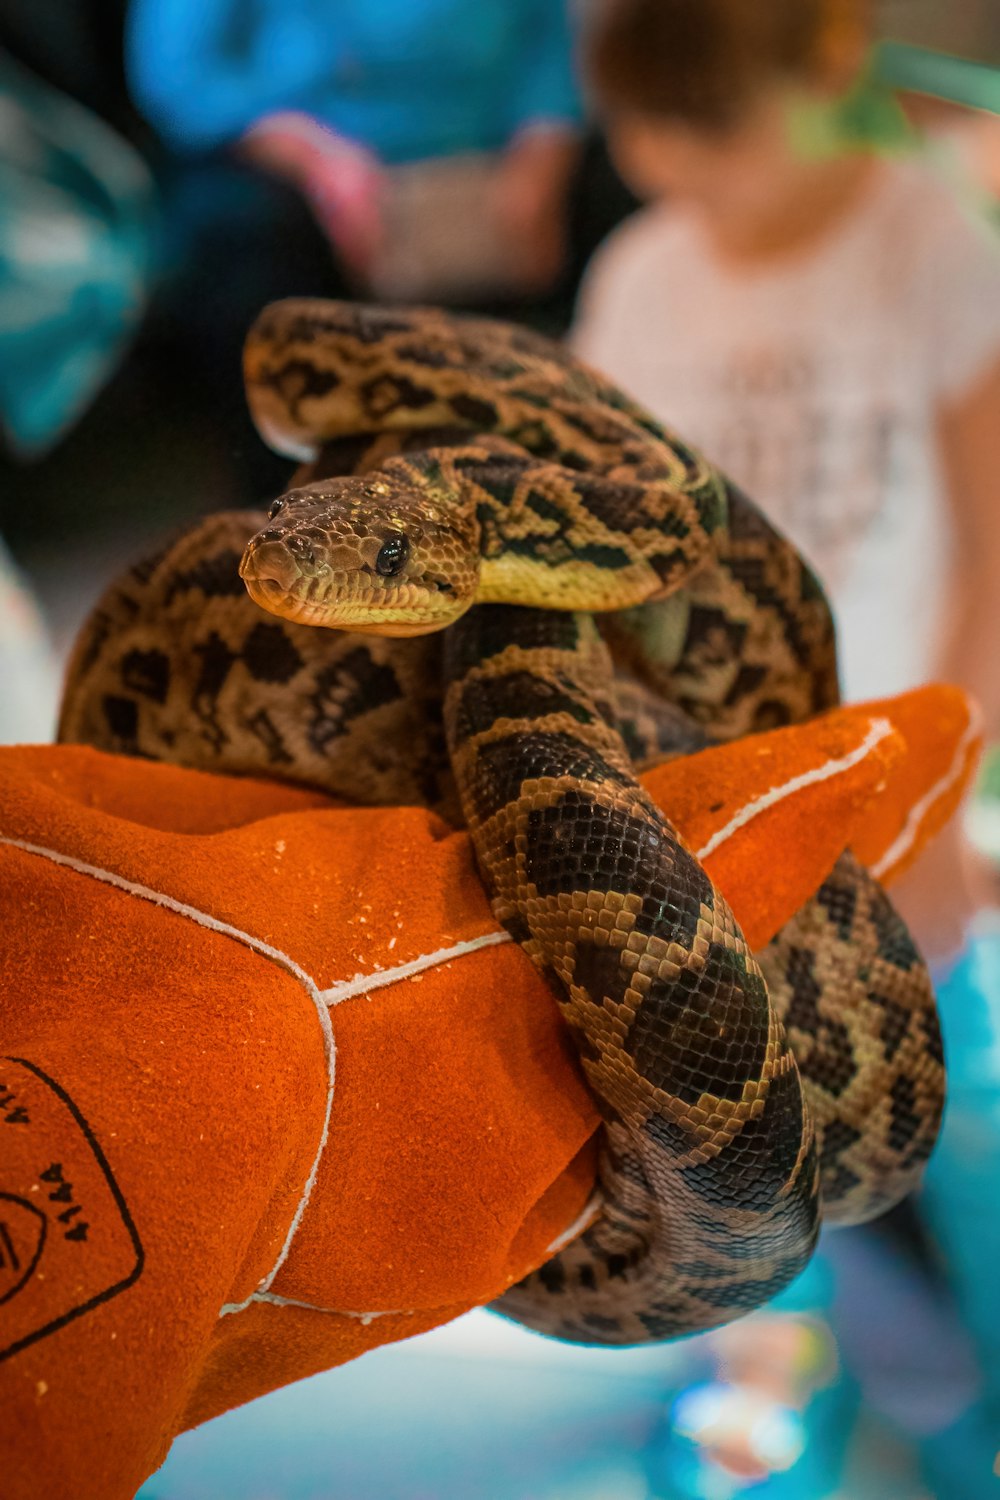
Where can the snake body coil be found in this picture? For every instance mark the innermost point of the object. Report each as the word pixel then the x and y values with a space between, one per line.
pixel 494 467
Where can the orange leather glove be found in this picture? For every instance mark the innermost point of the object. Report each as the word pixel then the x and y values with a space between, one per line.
pixel 275 1087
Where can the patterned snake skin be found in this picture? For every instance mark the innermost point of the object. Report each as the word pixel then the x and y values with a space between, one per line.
pixel 740 1094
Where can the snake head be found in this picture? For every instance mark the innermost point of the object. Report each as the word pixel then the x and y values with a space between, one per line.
pixel 363 553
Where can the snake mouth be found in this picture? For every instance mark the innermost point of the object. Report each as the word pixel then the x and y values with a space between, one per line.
pixel 277 582
pixel 359 618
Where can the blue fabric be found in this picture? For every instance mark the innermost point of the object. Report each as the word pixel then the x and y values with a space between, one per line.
pixel 961 1204
pixel 409 78
pixel 960 1193
pixel 76 216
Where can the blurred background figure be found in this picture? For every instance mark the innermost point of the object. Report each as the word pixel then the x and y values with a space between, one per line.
pixel 414 149
pixel 421 149
pixel 448 139
pixel 824 320
pixel 76 212
pixel 337 97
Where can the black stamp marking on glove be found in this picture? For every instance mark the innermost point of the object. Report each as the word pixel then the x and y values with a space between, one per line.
pixel 67 1239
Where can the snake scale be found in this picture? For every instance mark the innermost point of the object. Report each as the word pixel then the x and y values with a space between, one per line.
pixel 463 474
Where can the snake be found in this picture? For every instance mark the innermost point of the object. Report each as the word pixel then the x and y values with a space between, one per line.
pixel 501 588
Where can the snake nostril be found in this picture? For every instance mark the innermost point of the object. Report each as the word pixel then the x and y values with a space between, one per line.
pixel 269 568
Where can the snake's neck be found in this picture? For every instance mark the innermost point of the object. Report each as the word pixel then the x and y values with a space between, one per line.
pixel 552 578
pixel 514 579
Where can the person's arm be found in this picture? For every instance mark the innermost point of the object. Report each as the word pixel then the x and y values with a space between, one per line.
pixel 202 71
pixel 543 92
pixel 545 116
pixel 943 890
pixel 970 439
pixel 530 193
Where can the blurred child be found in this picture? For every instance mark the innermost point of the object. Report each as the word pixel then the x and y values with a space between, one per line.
pixel 824 323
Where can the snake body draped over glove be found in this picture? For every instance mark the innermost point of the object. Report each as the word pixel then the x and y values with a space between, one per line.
pixel 709 1165
pixel 493 467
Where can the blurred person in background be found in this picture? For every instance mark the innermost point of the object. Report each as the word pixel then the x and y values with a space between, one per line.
pixel 824 322
pixel 335 97
pixel 411 149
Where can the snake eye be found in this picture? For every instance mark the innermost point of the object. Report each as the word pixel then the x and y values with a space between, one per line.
pixel 392 556
pixel 276 506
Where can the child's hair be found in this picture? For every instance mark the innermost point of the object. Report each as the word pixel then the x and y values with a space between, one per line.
pixel 702 61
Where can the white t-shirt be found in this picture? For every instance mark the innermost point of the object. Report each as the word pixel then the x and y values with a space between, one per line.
pixel 815 383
